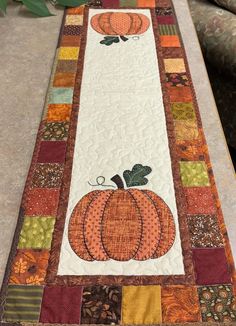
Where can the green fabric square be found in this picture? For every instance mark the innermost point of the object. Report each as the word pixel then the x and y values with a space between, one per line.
pixel 128 3
pixel 36 233
pixel 194 174
pixel 183 111
pixel 60 95
pixel 168 29
pixel 23 303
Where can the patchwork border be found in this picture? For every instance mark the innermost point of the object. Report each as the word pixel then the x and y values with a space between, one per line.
pixel 213 298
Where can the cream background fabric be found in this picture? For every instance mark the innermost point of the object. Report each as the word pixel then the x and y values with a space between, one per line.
pixel 121 123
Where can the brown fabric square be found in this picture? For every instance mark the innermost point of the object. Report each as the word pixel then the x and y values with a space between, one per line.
pixel 204 231
pixel 47 175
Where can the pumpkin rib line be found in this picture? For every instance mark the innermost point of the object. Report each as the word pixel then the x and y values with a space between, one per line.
pixel 102 217
pixel 115 33
pixel 161 228
pixel 141 23
pixel 102 227
pixel 69 230
pixel 131 25
pixel 141 220
pixel 99 193
pixel 94 197
pixel 174 234
pixel 143 191
pixel 100 25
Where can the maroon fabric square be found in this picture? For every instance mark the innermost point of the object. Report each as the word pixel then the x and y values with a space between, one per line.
pixel 41 202
pixel 61 305
pixel 110 3
pixel 52 152
pixel 211 266
pixel 168 20
pixel 199 200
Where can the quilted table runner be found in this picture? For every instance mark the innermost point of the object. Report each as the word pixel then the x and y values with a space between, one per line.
pixel 120 221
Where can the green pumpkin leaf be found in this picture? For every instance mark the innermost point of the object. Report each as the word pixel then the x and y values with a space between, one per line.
pixel 38 7
pixel 3 5
pixel 71 3
pixel 136 177
pixel 109 40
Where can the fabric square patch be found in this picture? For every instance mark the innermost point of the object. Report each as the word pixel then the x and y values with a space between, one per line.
pixel 167 29
pixel 47 175
pixel 146 3
pixel 175 65
pixel 60 95
pixel 64 80
pixel 68 53
pixel 170 41
pixel 69 66
pixel 186 130
pixel 172 52
pixel 166 20
pixel 177 80
pixel 164 4
pixel 36 233
pixel 128 3
pixel 74 20
pixel 194 174
pixel 29 267
pixel 180 94
pixel 110 3
pixel 141 305
pixel 55 131
pixel 183 111
pixel 180 304
pixel 204 231
pixel 41 202
pixel 23 303
pixel 200 200
pixel 52 152
pixel 167 11
pixel 61 304
pixel 70 40
pixel 195 152
pixel 59 112
pixel 72 30
pixel 75 10
pixel 217 303
pixel 211 266
pixel 101 305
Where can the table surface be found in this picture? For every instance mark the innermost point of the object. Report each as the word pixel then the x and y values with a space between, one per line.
pixel 26 56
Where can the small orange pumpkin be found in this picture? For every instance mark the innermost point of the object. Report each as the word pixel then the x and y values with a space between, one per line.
pixel 120 23
pixel 122 224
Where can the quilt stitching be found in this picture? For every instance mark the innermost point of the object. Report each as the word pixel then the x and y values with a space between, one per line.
pixel 211 296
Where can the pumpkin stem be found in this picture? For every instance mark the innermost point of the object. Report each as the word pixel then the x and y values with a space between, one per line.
pixel 118 181
pixel 123 38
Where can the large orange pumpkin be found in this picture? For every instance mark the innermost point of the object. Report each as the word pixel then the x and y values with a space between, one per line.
pixel 121 224
pixel 120 23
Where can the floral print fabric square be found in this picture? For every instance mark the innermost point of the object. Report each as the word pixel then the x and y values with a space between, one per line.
pixel 217 303
pixel 101 305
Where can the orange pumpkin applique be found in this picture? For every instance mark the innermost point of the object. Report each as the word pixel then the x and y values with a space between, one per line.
pixel 117 25
pixel 122 224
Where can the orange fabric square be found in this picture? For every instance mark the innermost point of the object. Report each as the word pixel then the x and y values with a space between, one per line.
pixel 146 3
pixel 75 11
pixel 41 202
pixel 180 304
pixel 180 94
pixel 70 40
pixel 170 41
pixel 64 80
pixel 29 267
pixel 59 112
